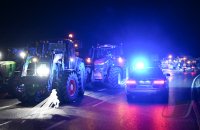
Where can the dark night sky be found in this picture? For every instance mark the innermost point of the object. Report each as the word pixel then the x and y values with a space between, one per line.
pixel 163 27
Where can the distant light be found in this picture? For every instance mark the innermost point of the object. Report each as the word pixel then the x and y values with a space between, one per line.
pixel 70 40
pixel 35 59
pixel 139 65
pixel 71 59
pixel 170 56
pixel 184 58
pixel 75 45
pixel 71 35
pixel 22 54
pixel 189 62
pixel 120 60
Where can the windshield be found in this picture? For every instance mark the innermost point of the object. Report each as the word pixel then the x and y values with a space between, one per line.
pixel 35 69
pixel 106 52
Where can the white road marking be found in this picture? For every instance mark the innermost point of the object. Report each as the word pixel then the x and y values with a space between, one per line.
pixel 4 107
pixel 5 123
pixel 101 90
pixel 98 103
pixel 55 125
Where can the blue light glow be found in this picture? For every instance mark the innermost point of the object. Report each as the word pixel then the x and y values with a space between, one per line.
pixel 139 65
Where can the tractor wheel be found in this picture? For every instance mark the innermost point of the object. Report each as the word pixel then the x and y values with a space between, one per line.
pixel 70 89
pixel 81 78
pixel 40 95
pixel 24 99
pixel 115 74
pixel 21 94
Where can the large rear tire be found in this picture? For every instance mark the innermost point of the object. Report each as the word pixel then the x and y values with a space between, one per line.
pixel 70 89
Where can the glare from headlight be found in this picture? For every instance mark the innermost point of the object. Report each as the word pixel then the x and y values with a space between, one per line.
pixel 43 70
pixel 88 60
pixel 71 59
pixel 35 59
pixel 120 60
pixel 75 45
pixel 139 65
pixel 22 54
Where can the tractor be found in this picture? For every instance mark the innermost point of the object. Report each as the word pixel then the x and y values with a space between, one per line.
pixel 106 63
pixel 53 66
pixel 11 62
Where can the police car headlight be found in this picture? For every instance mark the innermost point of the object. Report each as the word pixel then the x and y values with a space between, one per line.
pixel 35 59
pixel 43 70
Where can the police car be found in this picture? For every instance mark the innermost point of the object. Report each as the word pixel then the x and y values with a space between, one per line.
pixel 144 80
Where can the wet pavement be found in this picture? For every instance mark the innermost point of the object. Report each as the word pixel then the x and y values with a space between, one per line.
pixel 104 108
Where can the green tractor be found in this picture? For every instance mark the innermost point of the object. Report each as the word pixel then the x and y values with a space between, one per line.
pixel 7 69
pixel 55 66
pixel 10 63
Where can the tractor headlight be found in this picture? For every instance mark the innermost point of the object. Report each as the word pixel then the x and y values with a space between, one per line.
pixel 43 70
pixel 120 60
pixel 71 59
pixel 22 54
pixel 88 60
pixel 35 59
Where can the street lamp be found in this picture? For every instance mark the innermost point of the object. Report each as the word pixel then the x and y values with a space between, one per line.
pixel 75 45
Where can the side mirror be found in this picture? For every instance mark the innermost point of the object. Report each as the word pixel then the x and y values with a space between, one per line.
pixel 167 74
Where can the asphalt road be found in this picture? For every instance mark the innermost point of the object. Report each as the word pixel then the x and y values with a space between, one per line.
pixel 104 108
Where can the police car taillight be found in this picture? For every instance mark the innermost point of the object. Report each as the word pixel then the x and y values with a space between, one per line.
pixel 158 82
pixel 131 82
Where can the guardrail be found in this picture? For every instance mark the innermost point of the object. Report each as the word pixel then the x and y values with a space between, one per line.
pixel 195 93
pixel 194 105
